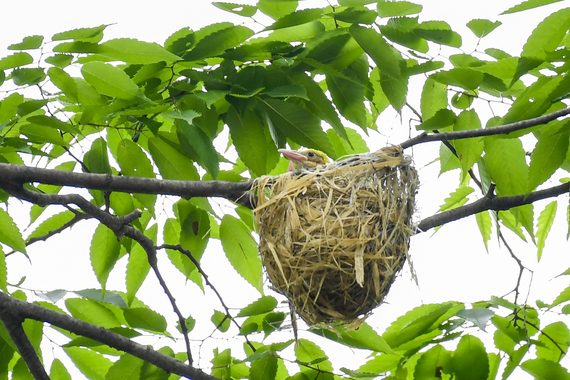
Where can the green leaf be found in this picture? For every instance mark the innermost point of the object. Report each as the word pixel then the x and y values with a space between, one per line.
pixel 146 319
pixel 296 18
pixel 216 43
pixel 15 60
pixel 277 9
pixel 441 119
pixel 356 16
pixel 348 96
pixel 297 124
pixel 465 78
pixel 92 312
pixel 457 198
pixel 136 52
pixel 543 369
pixel 109 80
pixel 51 224
pixel 554 340
pixel 435 360
pixel 238 9
pixel 288 91
pixel 3 277
pixel 241 250
pixel 263 305
pixel 248 135
pixel 309 353
pixel 415 323
pixel 28 43
pixel 380 364
pixel 470 361
pixel 138 265
pixel 79 34
pixel 364 338
pixel 434 98
pixel 480 316
pixel 97 158
pixel 128 367
pixel 481 27
pixel 92 364
pixel 220 320
pixel 41 135
pixel 546 158
pixel 135 163
pixel 53 122
pixel 468 150
pixel 203 150
pixel 534 100
pixel 505 161
pixel 438 32
pixel 104 252
pixel 529 4
pixel 545 220
pixel 28 76
pixel 58 371
pixel 397 8
pixel 264 368
pixel 10 233
pixel 171 163
pixel 60 60
pixel 485 225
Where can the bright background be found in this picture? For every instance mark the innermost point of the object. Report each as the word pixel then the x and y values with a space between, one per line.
pixel 451 264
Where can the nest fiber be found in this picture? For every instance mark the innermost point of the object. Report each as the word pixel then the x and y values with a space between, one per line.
pixel 333 239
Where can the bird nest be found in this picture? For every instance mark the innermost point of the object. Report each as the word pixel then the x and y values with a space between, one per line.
pixel 333 239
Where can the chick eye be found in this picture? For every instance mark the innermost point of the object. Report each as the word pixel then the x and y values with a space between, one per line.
pixel 311 154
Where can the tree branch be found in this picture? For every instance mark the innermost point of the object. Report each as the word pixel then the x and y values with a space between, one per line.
pixel 233 191
pixel 490 203
pixel 23 310
pixel 470 133
pixel 13 323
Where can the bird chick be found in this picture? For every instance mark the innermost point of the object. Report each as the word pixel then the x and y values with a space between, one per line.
pixel 304 159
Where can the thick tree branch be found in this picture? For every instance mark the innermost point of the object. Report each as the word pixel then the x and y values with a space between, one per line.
pixel 490 202
pixel 500 130
pixel 234 191
pixel 13 323
pixel 22 310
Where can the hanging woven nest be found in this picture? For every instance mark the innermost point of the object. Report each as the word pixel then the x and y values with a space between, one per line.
pixel 333 239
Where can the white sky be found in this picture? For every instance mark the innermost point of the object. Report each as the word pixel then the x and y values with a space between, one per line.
pixel 451 264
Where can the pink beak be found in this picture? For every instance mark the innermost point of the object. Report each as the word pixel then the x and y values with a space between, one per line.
pixel 293 156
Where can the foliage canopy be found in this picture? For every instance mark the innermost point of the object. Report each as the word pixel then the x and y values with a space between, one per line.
pixel 126 119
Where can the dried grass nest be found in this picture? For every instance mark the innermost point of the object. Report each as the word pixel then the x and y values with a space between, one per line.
pixel 333 239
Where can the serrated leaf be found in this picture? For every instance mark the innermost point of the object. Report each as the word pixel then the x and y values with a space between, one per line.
pixel 438 32
pixel 28 43
pixel 470 359
pixel 109 80
pixel 529 4
pixel 146 319
pixel 364 338
pixel 348 96
pixel 466 78
pixel 220 320
pixel 42 135
pixel 545 369
pixel 435 360
pixel 103 252
pixel 545 220
pixel 248 135
pixel 79 34
pixel 90 363
pixel 263 305
pixel 203 150
pixel 60 60
pixel 218 42
pixel 92 312
pixel 397 8
pixel 434 98
pixel 3 273
pixel 485 225
pixel 128 367
pixel 135 52
pixel 441 119
pixel 15 60
pixel 25 76
pixel 481 27
pixel 138 265
pixel 468 150
pixel 241 250
pixel 300 17
pixel 171 163
pixel 135 163
pixel 58 371
pixel 53 122
pixel 549 153
pixel 297 124
pixel 51 224
pixel 264 368
pixel 97 158
pixel 238 9
pixel 10 233
pixel 277 9
pixel 553 340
